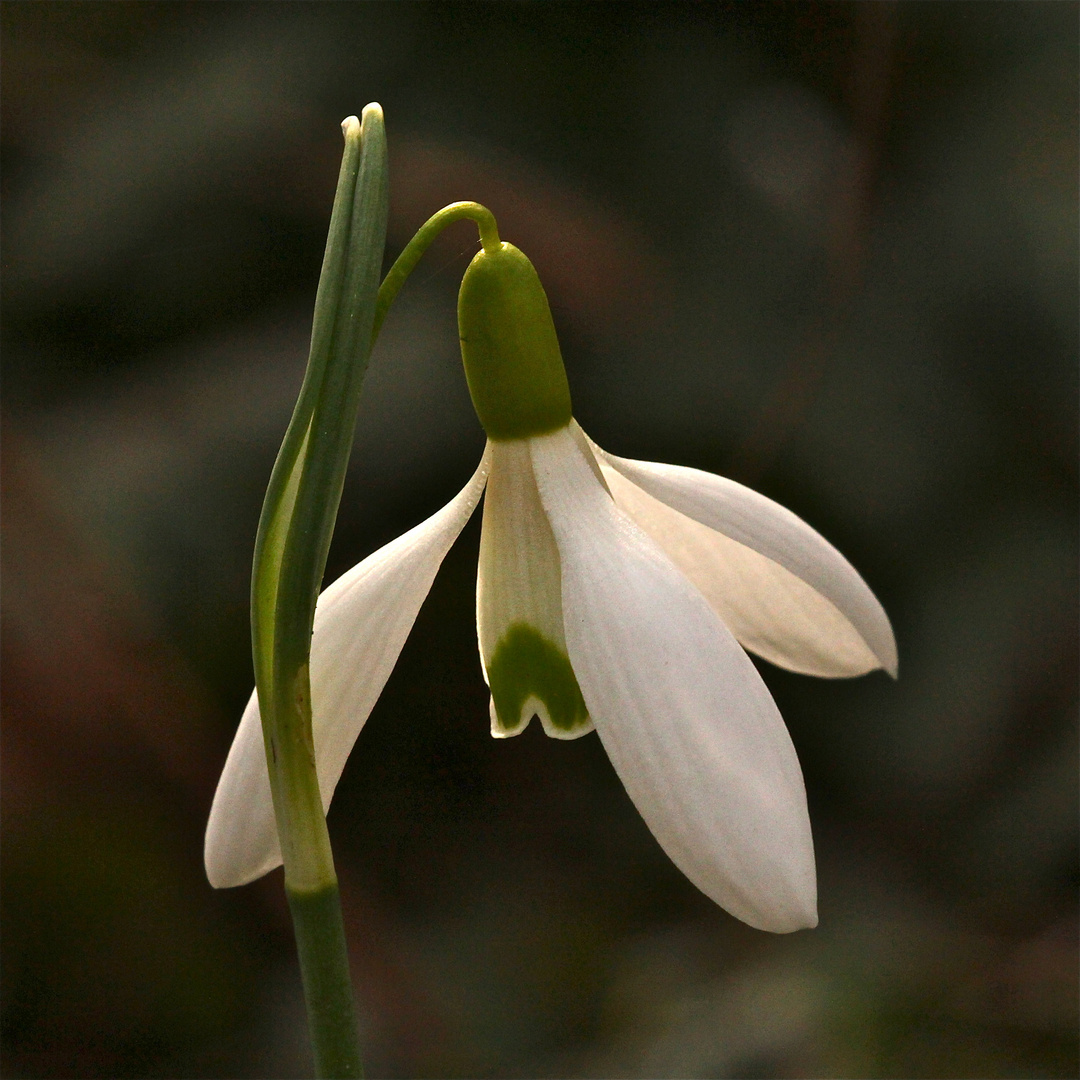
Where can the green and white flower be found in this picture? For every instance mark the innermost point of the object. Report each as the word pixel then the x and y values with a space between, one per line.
pixel 613 594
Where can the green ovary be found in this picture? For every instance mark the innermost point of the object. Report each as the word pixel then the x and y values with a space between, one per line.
pixel 509 348
pixel 526 664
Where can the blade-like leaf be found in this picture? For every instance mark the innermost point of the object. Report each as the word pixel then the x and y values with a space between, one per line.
pixel 305 488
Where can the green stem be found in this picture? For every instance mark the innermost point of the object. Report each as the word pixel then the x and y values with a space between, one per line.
pixel 415 248
pixel 290 557
pixel 324 968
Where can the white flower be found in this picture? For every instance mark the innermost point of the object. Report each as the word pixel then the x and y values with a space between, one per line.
pixel 618 594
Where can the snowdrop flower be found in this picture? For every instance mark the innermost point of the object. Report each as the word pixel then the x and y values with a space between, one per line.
pixel 613 594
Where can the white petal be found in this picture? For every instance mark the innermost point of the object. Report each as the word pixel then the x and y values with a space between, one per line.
pixel 683 714
pixel 770 611
pixel 518 589
pixel 361 623
pixel 784 590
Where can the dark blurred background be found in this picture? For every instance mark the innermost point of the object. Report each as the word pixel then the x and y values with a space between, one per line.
pixel 827 249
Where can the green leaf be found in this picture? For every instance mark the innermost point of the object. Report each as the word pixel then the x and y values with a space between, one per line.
pixel 302 499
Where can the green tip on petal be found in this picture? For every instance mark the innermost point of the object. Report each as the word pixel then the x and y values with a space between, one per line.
pixel 526 664
pixel 508 345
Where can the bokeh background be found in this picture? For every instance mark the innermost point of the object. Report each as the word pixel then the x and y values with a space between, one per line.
pixel 829 250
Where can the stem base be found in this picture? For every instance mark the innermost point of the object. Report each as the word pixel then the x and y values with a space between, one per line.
pixel 324 969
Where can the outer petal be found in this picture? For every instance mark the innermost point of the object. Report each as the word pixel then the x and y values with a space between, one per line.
pixel 361 623
pixel 683 714
pixel 519 618
pixel 784 590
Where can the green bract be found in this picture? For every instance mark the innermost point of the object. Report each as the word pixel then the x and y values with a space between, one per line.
pixel 511 354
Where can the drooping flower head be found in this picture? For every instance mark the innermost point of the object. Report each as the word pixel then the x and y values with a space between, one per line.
pixel 611 593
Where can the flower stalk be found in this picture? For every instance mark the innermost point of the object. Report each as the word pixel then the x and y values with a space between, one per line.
pixel 290 556
pixel 425 235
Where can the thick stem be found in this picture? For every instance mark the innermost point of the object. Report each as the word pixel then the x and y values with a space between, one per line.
pixel 324 969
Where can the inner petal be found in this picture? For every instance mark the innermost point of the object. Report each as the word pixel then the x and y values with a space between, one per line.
pixel 530 675
pixel 519 606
